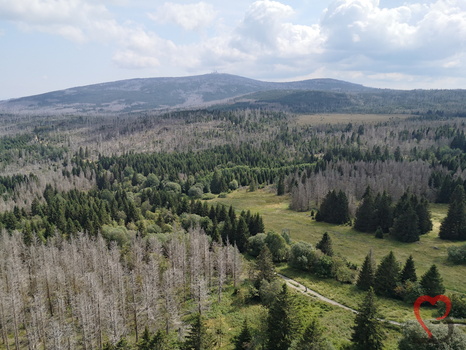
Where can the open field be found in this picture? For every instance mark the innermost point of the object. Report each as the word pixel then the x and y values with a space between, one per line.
pixel 339 118
pixel 353 245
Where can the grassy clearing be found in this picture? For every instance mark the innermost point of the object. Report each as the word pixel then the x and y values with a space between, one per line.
pixel 319 119
pixel 352 244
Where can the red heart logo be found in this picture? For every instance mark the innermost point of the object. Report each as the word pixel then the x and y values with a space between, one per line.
pixel 432 301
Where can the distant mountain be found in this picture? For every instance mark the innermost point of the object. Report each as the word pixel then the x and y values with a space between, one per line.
pixel 162 93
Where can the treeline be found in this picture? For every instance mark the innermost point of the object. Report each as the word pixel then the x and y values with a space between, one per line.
pixel 389 280
pixel 114 213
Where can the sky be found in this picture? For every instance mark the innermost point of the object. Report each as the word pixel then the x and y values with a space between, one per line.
pixel 48 45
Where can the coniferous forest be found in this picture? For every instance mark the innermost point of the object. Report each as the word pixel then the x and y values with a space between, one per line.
pixel 155 230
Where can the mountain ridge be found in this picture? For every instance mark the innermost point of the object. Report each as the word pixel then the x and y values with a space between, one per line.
pixel 162 93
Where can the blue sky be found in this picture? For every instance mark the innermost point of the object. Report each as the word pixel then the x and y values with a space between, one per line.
pixel 48 45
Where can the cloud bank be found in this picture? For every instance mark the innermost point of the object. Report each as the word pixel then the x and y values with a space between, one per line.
pixel 420 42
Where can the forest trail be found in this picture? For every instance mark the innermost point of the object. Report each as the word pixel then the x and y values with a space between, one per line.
pixel 309 292
pixel 312 293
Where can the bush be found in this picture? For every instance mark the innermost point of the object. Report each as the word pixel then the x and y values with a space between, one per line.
pixel 415 338
pixel 457 255
pixel 458 306
pixel 233 185
pixel 195 192
pixel 208 196
pixel 117 234
pixel 302 256
pixel 278 247
pixel 256 243
pixel 268 291
pixel 324 267
pixel 172 186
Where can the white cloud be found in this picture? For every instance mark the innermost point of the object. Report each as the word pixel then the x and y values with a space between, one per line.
pixel 188 16
pixel 272 42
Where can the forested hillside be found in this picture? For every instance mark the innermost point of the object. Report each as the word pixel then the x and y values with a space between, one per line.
pixel 115 236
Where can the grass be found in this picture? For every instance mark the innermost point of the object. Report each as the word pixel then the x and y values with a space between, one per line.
pixel 352 244
pixel 355 246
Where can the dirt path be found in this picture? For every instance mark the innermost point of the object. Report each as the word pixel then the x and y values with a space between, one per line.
pixel 312 293
pixel 309 292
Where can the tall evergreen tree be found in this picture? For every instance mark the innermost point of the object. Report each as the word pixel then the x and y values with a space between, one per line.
pixel 325 245
pixel 453 227
pixel 281 186
pixel 409 271
pixel 334 208
pixel 383 212
pixel 387 276
pixel 243 340
pixel 406 227
pixel 198 338
pixel 367 331
pixel 366 276
pixel 242 235
pixel 423 216
pixel 365 219
pixel 265 267
pixel 281 325
pixel 432 282
pixel 312 337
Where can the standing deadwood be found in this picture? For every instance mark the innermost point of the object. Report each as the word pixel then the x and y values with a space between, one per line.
pixel 221 269
pixel 170 304
pixel 134 304
pixel 150 292
pixel 3 319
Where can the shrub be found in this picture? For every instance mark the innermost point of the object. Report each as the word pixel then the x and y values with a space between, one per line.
pixel 457 254
pixel 195 192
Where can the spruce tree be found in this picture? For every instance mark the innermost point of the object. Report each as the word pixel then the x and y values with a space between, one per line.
pixel 432 282
pixel 198 338
pixel 383 212
pixel 325 245
pixel 367 331
pixel 453 227
pixel 265 267
pixel 243 340
pixel 405 227
pixel 242 235
pixel 409 271
pixel 281 186
pixel 312 337
pixel 364 220
pixel 423 216
pixel 387 276
pixel 281 325
pixel 334 208
pixel 366 276
pixel 379 233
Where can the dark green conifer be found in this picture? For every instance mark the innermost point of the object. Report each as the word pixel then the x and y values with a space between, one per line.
pixel 453 227
pixel 264 266
pixel 198 338
pixel 325 245
pixel 281 186
pixel 364 220
pixel 432 282
pixel 409 271
pixel 244 338
pixel 367 331
pixel 281 325
pixel 366 275
pixel 387 276
pixel 406 227
pixel 312 337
